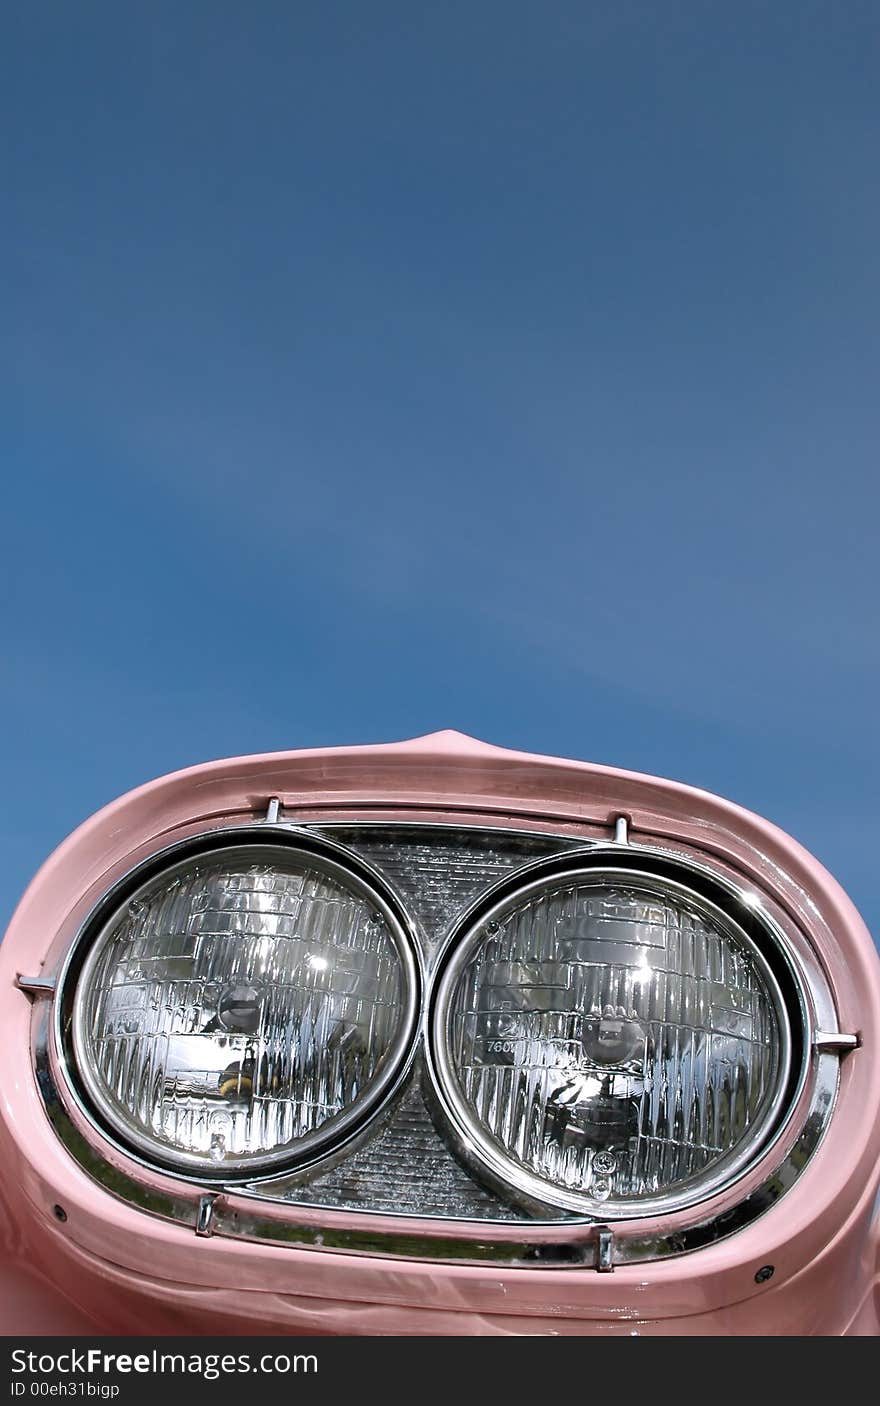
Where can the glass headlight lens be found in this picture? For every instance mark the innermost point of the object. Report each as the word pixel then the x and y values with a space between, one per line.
pixel 244 1007
pixel 610 1042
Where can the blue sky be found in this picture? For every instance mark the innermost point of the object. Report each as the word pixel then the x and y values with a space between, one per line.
pixel 373 369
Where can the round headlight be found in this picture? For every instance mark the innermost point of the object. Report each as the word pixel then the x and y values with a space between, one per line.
pixel 244 1008
pixel 609 1042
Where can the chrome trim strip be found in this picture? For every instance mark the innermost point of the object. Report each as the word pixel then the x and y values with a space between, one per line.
pixel 539 1243
pixel 453 826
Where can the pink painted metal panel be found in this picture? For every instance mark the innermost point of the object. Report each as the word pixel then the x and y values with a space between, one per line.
pixel 130 1271
pixel 30 1306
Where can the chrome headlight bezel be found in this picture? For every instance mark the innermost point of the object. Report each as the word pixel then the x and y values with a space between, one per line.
pixel 679 876
pixel 323 1143
pixel 534 1237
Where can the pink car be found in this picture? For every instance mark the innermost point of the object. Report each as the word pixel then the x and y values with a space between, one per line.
pixel 437 1038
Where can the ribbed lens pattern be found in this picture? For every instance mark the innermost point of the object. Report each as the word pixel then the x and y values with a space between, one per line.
pixel 613 1040
pixel 236 1007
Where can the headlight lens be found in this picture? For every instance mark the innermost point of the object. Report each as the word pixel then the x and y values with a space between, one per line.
pixel 243 1008
pixel 610 1042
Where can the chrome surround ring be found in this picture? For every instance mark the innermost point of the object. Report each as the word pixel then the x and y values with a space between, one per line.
pixel 599 864
pixel 318 854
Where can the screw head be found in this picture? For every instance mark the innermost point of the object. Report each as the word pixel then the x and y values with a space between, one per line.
pixel 764 1273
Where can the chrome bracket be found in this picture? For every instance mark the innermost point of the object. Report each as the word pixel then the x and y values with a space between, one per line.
pixel 205 1216
pixel 835 1042
pixel 605 1252
pixel 34 986
pixel 273 811
pixel 621 830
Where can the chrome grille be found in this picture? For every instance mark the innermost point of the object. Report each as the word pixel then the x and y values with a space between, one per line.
pixel 407 1167
pixel 438 872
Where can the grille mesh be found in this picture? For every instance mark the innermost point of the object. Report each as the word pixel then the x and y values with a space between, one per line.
pixel 407 1167
pixel 439 872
